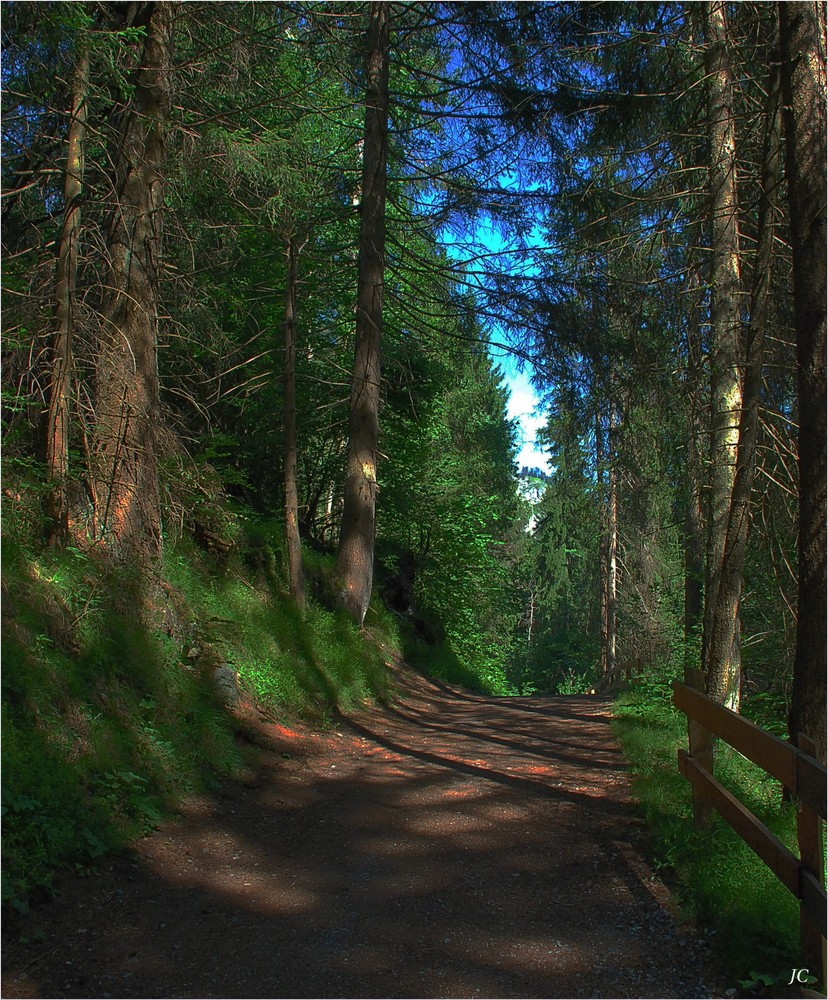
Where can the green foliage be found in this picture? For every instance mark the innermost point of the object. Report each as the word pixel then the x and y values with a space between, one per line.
pixel 47 818
pixel 438 659
pixel 240 195
pixel 573 682
pixel 766 980
pixel 768 709
pixel 108 718
pixel 560 569
pixel 720 881
pixel 102 726
pixel 448 497
pixel 290 662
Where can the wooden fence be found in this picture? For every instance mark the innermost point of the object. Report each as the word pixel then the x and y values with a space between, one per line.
pixel 799 772
pixel 622 673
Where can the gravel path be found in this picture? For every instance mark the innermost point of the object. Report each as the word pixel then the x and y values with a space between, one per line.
pixel 447 845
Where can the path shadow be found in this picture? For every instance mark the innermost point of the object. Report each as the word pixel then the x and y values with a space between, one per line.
pixel 404 863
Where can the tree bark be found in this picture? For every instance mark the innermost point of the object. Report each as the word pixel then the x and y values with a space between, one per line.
pixel 802 44
pixel 294 545
pixel 603 541
pixel 720 653
pixel 607 475
pixel 57 419
pixel 355 559
pixel 694 526
pixel 127 505
pixel 725 612
pixel 612 544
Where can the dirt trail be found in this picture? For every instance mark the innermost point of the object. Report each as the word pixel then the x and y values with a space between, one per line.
pixel 445 846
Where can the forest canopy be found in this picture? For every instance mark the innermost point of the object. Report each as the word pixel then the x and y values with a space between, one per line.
pixel 258 263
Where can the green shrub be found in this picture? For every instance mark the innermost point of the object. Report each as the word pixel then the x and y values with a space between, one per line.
pixel 48 820
pixel 441 662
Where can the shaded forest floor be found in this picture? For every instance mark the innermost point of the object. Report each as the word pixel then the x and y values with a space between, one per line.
pixel 444 845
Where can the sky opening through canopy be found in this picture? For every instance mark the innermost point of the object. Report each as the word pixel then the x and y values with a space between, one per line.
pixel 524 404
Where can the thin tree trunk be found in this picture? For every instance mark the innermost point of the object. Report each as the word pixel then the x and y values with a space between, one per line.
pixel 725 617
pixel 722 665
pixel 355 559
pixel 128 516
pixel 294 545
pixel 612 545
pixel 694 511
pixel 802 43
pixel 328 529
pixel 603 543
pixel 57 420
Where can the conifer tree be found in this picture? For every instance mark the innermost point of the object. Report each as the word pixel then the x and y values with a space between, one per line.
pixel 127 512
pixel 802 38
pixel 60 387
pixel 720 651
pixel 355 559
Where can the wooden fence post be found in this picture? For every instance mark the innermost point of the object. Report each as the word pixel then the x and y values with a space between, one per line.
pixel 799 771
pixel 701 750
pixel 812 870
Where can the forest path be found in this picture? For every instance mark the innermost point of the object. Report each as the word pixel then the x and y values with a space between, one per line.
pixel 446 845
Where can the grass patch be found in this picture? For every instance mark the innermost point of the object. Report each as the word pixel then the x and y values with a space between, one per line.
pixel 438 660
pixel 292 663
pixel 428 648
pixel 718 880
pixel 102 727
pixel 107 720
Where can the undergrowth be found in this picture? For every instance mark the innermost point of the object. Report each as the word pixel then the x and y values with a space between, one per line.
pixel 719 882
pixel 106 722
pixel 290 662
pixel 438 660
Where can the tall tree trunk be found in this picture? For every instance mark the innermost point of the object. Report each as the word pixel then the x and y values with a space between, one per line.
pixel 720 653
pixel 725 616
pixel 603 541
pixel 612 544
pixel 128 516
pixel 294 545
pixel 802 43
pixel 694 527
pixel 607 473
pixel 355 559
pixel 57 420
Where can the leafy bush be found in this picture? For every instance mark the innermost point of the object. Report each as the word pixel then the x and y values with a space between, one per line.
pixel 47 818
pixel 439 660
pixel 101 724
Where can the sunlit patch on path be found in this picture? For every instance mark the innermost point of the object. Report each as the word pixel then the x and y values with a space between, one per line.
pixel 447 845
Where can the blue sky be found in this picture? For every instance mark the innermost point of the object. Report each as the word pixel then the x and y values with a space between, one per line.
pixel 523 400
pixel 523 404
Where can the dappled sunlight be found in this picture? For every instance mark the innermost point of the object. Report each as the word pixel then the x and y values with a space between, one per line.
pixel 249 876
pixel 397 856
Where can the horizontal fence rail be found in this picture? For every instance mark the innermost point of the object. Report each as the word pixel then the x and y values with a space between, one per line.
pixel 797 769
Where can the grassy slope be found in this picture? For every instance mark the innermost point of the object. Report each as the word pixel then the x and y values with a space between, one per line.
pixel 106 723
pixel 718 880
